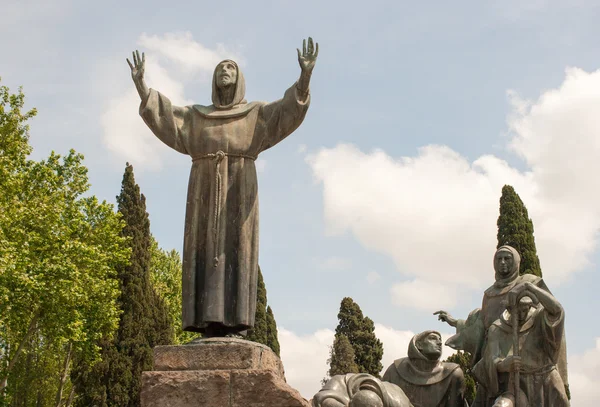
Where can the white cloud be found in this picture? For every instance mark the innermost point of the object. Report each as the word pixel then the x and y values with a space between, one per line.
pixel 583 377
pixel 373 277
pixel 188 54
pixel 435 214
pixel 304 358
pixel 125 133
pixel 423 295
pixel 429 213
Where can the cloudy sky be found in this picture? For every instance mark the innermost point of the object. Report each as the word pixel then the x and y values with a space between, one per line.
pixel 388 192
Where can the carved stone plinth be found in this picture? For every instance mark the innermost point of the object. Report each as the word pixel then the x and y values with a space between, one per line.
pixel 218 372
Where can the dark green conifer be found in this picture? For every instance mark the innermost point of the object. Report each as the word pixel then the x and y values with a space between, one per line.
pixel 259 332
pixel 341 358
pixel 265 327
pixel 360 331
pixel 515 229
pixel 272 339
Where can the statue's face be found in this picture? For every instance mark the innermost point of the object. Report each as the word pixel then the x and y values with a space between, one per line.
pixel 504 262
pixel 431 346
pixel 524 306
pixel 365 398
pixel 226 74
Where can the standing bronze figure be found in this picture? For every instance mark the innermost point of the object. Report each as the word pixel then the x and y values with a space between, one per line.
pixel 220 252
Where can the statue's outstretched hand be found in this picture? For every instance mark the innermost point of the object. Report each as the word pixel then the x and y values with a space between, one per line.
pixel 138 66
pixel 308 57
pixel 446 317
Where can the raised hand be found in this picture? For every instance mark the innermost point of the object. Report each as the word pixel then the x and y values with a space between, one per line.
pixel 445 317
pixel 138 66
pixel 308 57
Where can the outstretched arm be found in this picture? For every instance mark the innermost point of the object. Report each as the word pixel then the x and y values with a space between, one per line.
pixel 307 59
pixel 137 74
pixel 447 318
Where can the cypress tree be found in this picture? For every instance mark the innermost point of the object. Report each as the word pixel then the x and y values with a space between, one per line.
pixel 341 358
pixel 259 332
pixel 272 339
pixel 515 229
pixel 265 327
pixel 463 359
pixel 360 331
pixel 144 323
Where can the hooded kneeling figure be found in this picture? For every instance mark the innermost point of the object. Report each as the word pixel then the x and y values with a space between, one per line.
pixel 424 379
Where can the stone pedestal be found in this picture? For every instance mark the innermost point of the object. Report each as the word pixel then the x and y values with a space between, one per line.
pixel 217 372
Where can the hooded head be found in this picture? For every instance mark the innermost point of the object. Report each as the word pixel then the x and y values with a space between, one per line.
pixel 506 264
pixel 228 70
pixel 426 346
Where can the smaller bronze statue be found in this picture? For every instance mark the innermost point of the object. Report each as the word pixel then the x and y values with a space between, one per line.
pixel 519 364
pixel 426 380
pixel 359 390
pixel 472 333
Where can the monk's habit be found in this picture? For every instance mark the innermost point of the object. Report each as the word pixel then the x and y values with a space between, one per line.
pixel 427 383
pixel 220 252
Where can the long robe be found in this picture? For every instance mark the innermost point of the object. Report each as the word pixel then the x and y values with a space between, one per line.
pixel 427 383
pixel 540 338
pixel 220 251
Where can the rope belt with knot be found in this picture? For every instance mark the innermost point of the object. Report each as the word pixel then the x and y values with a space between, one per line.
pixel 540 371
pixel 218 157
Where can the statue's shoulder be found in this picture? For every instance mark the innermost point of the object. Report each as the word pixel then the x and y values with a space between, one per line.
pixel 452 369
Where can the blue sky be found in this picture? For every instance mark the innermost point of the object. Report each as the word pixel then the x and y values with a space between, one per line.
pixel 388 192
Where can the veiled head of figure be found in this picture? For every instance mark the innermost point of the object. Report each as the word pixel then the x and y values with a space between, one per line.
pixel 525 305
pixel 430 345
pixel 366 398
pixel 504 262
pixel 226 74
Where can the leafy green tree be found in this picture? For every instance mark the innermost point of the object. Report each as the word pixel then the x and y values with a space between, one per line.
pixel 341 358
pixel 265 327
pixel 145 321
pixel 360 331
pixel 515 229
pixel 165 275
pixel 463 359
pixel 58 257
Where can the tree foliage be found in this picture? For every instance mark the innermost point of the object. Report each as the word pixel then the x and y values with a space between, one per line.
pixel 272 339
pixel 165 275
pixel 144 322
pixel 515 229
pixel 59 252
pixel 360 331
pixel 463 359
pixel 341 358
pixel 265 327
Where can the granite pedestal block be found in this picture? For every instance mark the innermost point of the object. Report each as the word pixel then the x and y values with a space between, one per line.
pixel 218 372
